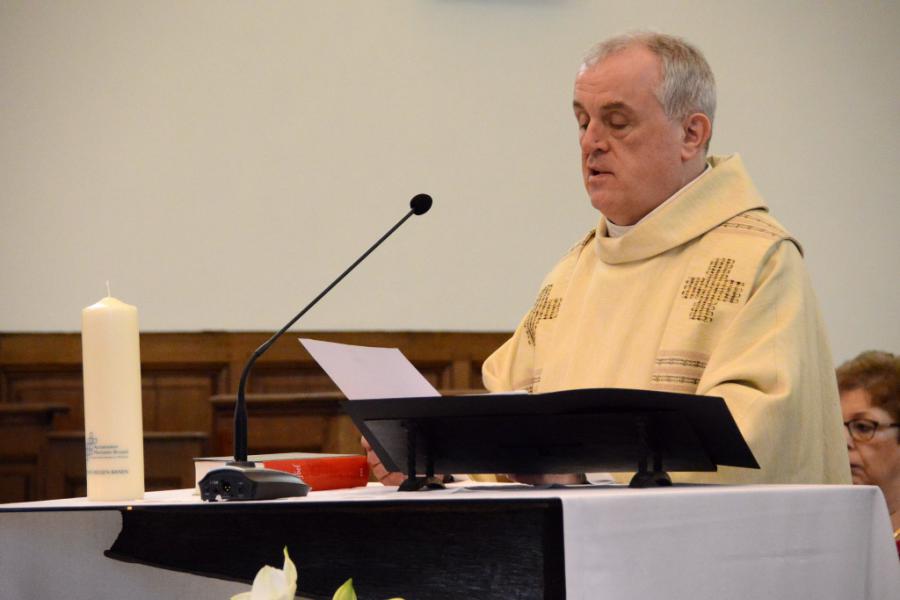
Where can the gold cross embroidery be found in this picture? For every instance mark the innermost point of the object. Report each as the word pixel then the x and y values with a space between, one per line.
pixel 714 288
pixel 544 308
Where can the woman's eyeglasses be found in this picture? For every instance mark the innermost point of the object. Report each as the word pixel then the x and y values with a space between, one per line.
pixel 863 430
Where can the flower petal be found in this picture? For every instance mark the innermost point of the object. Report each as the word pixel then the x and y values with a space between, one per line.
pixel 290 571
pixel 345 592
pixel 268 584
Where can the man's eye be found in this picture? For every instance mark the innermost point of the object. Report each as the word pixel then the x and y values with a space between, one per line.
pixel 616 121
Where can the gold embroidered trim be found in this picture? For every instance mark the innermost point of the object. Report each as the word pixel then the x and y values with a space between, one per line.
pixel 536 379
pixel 681 362
pixel 764 222
pixel 712 289
pixel 678 370
pixel 753 225
pixel 682 379
pixel 544 308
pixel 683 354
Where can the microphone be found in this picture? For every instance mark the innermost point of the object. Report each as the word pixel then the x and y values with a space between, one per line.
pixel 420 204
pixel 240 479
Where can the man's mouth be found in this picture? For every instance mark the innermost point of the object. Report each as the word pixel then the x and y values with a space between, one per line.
pixel 597 172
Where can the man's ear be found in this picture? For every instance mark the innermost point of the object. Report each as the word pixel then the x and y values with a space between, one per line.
pixel 697 130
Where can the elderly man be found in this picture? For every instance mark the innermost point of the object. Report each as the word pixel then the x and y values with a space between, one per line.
pixel 687 284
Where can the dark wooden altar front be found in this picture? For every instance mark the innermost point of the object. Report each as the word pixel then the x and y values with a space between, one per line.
pixel 429 549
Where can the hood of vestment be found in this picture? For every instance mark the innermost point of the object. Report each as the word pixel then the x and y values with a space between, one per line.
pixel 720 194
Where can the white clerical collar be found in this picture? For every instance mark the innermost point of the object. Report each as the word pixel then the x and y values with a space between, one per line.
pixel 614 231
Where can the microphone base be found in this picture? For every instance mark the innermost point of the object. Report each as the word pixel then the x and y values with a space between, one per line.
pixel 238 483
pixel 421 484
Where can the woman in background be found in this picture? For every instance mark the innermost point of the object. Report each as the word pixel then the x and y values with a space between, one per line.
pixel 870 401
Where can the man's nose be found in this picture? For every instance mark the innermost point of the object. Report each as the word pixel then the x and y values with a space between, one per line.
pixel 594 138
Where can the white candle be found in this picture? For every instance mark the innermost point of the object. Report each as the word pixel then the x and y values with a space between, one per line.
pixel 113 428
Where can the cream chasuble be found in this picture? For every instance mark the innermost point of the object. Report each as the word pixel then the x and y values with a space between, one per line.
pixel 707 295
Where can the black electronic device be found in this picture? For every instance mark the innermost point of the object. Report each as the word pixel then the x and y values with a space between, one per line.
pixel 241 483
pixel 257 483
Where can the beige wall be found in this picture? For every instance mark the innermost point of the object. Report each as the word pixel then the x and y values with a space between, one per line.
pixel 221 162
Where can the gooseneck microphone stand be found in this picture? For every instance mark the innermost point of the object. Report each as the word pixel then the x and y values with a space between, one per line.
pixel 257 484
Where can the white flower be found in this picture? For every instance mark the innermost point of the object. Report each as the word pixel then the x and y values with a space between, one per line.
pixel 346 592
pixel 273 584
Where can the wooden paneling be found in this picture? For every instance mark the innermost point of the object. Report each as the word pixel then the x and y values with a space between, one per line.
pixel 173 399
pixel 311 422
pixel 17 482
pixel 178 400
pixel 23 435
pixel 287 378
pixel 37 387
pixel 168 461
pixel 182 371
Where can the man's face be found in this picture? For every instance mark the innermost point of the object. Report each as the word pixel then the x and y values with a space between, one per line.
pixel 631 153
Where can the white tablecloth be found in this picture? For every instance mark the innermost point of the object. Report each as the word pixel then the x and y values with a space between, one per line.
pixel 772 542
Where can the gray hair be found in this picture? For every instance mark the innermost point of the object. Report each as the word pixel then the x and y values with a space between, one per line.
pixel 688 85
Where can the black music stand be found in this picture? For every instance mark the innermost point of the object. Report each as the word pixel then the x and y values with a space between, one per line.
pixel 572 431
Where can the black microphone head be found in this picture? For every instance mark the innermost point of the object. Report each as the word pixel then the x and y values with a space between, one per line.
pixel 420 204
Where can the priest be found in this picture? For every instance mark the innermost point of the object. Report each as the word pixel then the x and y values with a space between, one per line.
pixel 687 284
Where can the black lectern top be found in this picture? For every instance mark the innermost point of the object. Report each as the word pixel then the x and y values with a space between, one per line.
pixel 572 431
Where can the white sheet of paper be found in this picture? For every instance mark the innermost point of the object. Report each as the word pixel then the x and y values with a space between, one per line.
pixel 363 372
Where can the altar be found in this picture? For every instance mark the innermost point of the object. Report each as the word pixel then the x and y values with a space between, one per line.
pixel 468 541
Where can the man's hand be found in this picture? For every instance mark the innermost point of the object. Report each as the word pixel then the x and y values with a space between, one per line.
pixel 549 479
pixel 383 475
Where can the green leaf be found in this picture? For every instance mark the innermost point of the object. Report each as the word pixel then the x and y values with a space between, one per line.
pixel 345 592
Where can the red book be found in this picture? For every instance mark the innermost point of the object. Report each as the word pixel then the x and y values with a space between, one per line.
pixel 320 471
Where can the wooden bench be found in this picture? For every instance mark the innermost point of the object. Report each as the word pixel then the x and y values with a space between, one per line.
pixel 23 435
pixel 168 461
pixel 307 422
